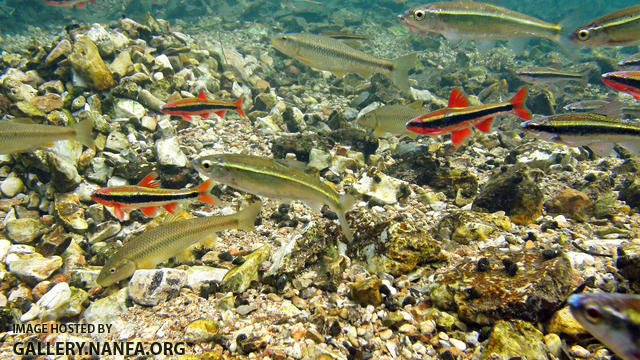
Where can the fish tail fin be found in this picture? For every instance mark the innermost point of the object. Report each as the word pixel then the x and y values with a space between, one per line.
pixel 518 104
pixel 247 216
pixel 204 189
pixel 347 201
pixel 401 67
pixel 83 133
pixel 238 104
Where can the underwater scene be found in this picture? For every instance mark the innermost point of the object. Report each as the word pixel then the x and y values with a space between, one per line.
pixel 319 179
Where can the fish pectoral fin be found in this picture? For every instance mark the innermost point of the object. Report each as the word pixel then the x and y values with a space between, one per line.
pixel 339 73
pixel 457 137
pixel 305 60
pixel 221 113
pixel 171 207
pixel 485 126
pixel 612 109
pixel 117 211
pixel 315 205
pixel 149 210
pixel 209 240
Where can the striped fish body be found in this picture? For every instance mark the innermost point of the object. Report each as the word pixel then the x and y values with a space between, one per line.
pixel 201 106
pixel 390 119
pixel 326 53
pixel 274 179
pixel 619 28
pixel 599 132
pixel 158 244
pixel 472 20
pixel 459 117
pixel 17 136
pixel 614 319
pixel 147 196
pixel 625 81
pixel 547 75
pixel 632 62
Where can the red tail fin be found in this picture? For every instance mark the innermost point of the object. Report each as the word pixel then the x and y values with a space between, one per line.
pixel 518 104
pixel 239 107
pixel 204 190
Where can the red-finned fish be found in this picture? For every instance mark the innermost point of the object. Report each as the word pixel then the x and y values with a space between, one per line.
pixel 458 118
pixel 68 3
pixel 626 81
pixel 147 197
pixel 202 106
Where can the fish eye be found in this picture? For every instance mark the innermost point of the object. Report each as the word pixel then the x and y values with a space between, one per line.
pixel 206 164
pixel 592 313
pixel 584 34
pixel 112 270
pixel 418 14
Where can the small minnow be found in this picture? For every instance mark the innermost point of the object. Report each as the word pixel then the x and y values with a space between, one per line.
pixel 471 20
pixel 275 179
pixel 344 35
pixel 147 197
pixel 585 105
pixel 614 319
pixel 625 81
pixel 458 118
pixel 69 3
pixel 632 62
pixel 202 106
pixel 158 244
pixel 391 119
pixel 619 28
pixel 548 75
pixel 598 130
pixel 325 53
pixel 17 136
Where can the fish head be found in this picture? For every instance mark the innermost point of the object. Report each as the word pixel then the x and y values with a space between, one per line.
pixel 541 128
pixel 589 35
pixel 368 120
pixel 611 318
pixel 213 166
pixel 115 269
pixel 419 126
pixel 286 44
pixel 421 19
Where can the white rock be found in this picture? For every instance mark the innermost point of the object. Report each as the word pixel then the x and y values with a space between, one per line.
pixel 319 159
pixel 460 345
pixel 166 128
pixel 116 141
pixel 127 108
pixel 4 248
pixel 108 309
pixel 169 152
pixel 384 191
pixel 12 186
pixel 148 123
pixel 32 267
pixel 101 38
pixel 198 276
pixel 151 287
pixel 163 63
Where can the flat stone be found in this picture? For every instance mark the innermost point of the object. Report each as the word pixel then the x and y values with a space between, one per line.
pixel 11 186
pixel 515 338
pixel 367 292
pixel 151 287
pixel 199 276
pixel 127 108
pixel 25 230
pixel 32 267
pixel 169 152
pixel 107 310
pixel 201 330
pixel 239 278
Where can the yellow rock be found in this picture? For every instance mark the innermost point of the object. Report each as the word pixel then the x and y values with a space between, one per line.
pixel 86 61
pixel 562 322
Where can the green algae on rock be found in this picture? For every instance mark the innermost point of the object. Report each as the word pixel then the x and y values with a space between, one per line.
pixel 86 62
pixel 367 291
pixel 515 338
pixel 239 278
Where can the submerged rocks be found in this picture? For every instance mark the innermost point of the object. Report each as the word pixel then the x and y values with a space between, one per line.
pixel 522 285
pixel 570 202
pixel 151 287
pixel 515 339
pixel 367 292
pixel 239 278
pixel 30 266
pixel 512 190
pixel 86 62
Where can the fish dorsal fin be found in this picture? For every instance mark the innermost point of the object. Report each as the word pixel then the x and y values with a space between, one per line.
pixel 149 181
pixel 612 109
pixel 292 163
pixel 201 95
pixel 457 99
pixel 416 105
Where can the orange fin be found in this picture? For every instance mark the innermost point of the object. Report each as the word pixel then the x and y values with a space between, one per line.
pixel 635 95
pixel 457 137
pixel 238 104
pixel 457 99
pixel 149 181
pixel 204 116
pixel 201 95
pixel 518 104
pixel 221 113
pixel 149 211
pixel 485 126
pixel 171 207
pixel 117 211
pixel 186 117
pixel 204 190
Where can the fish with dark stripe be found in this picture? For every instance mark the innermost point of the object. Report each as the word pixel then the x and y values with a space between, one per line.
pixel 458 118
pixel 625 81
pixel 147 196
pixel 200 105
pixel 619 28
pixel 596 130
